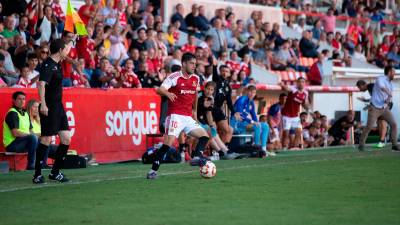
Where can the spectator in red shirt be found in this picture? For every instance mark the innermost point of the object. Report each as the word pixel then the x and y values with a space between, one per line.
pixel 233 63
pixel 87 11
pixel 128 77
pixel 78 77
pixel 24 81
pixel 191 45
pixel 144 58
pixel 71 59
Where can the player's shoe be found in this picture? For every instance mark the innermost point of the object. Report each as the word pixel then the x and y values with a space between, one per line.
pixel 38 180
pixel 380 145
pixel 199 161
pixel 361 148
pixel 395 148
pixel 271 153
pixel 58 177
pixel 151 175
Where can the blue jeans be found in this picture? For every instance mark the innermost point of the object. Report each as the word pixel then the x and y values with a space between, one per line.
pixel 25 144
pixel 261 131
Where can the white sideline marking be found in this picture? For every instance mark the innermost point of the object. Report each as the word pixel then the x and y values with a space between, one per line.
pixel 33 187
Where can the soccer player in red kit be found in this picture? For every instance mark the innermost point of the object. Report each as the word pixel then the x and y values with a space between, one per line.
pixel 297 96
pixel 181 90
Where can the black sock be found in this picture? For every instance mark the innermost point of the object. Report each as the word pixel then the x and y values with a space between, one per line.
pixel 159 156
pixel 40 152
pixel 182 147
pixel 201 145
pixel 221 153
pixel 59 161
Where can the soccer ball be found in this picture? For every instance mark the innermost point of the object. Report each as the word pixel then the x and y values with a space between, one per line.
pixel 208 170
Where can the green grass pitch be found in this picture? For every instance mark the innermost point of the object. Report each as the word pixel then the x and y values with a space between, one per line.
pixel 335 186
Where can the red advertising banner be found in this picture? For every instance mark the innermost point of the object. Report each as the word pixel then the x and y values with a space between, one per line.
pixel 110 124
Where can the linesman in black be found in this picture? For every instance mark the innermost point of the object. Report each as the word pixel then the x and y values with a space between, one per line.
pixel 52 114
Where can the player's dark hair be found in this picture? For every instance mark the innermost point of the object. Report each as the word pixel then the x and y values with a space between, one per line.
pixel 16 94
pixel 303 113
pixel 360 83
pixel 301 78
pixel 211 83
pixel 388 69
pixel 31 55
pixel 223 67
pixel 282 95
pixel 187 57
pixel 56 45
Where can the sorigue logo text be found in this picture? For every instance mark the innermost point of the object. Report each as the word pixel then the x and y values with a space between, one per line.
pixel 135 123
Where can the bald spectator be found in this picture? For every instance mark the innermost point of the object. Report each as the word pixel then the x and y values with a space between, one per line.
pixel 219 39
pixel 307 47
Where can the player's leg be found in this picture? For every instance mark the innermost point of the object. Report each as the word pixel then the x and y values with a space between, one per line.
pixel 286 131
pixel 388 116
pixel 297 137
pixel 382 128
pixel 373 114
pixel 61 152
pixel 226 130
pixel 173 126
pixel 264 135
pixel 41 149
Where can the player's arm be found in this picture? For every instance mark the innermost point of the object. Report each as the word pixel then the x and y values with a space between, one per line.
pixel 163 91
pixel 42 90
pixel 306 104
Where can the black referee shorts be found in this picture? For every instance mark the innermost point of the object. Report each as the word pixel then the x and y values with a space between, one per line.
pixel 218 115
pixel 55 121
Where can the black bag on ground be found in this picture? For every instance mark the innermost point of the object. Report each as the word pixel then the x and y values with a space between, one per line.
pixel 251 150
pixel 74 162
pixel 172 156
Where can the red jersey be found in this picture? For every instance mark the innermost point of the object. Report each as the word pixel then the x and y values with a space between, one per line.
pixel 122 19
pixel 82 9
pixel 188 48
pixel 58 12
pixel 245 67
pixel 78 80
pixel 294 100
pixel 185 89
pixel 131 79
pixel 233 66
pixel 67 67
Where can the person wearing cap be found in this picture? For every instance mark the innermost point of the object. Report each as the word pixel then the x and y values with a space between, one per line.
pixel 53 117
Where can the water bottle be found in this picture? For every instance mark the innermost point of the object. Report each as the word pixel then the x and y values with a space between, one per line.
pixel 325 139
pixel 182 156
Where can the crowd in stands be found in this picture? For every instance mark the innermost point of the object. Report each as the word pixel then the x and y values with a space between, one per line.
pixel 128 47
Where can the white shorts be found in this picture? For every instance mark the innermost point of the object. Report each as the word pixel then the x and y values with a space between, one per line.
pixel 175 124
pixel 274 138
pixel 291 122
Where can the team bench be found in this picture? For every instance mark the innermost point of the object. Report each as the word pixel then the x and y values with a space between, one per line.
pixel 16 161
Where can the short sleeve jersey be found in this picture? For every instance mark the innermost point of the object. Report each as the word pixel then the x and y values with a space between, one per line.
pixel 185 88
pixel 293 102
pixel 51 73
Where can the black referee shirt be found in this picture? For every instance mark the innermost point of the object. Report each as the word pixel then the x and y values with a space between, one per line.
pixel 51 72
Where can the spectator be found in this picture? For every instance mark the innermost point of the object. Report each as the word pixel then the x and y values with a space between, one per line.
pixel 128 77
pixel 204 24
pixel 301 26
pixel 312 139
pixel 317 30
pixel 46 25
pixel 78 76
pixel 105 76
pixel 329 21
pixel 24 81
pixel 249 48
pixel 9 29
pixel 190 46
pixel 139 43
pixel 244 118
pixel 358 54
pixel 338 131
pixel 217 33
pixel 109 13
pixel 307 47
pixel 178 16
pixel 192 20
pixel 147 79
pixel 274 118
pixel 17 135
pixel 87 12
pixel 33 62
pixel 394 55
pixel 117 39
